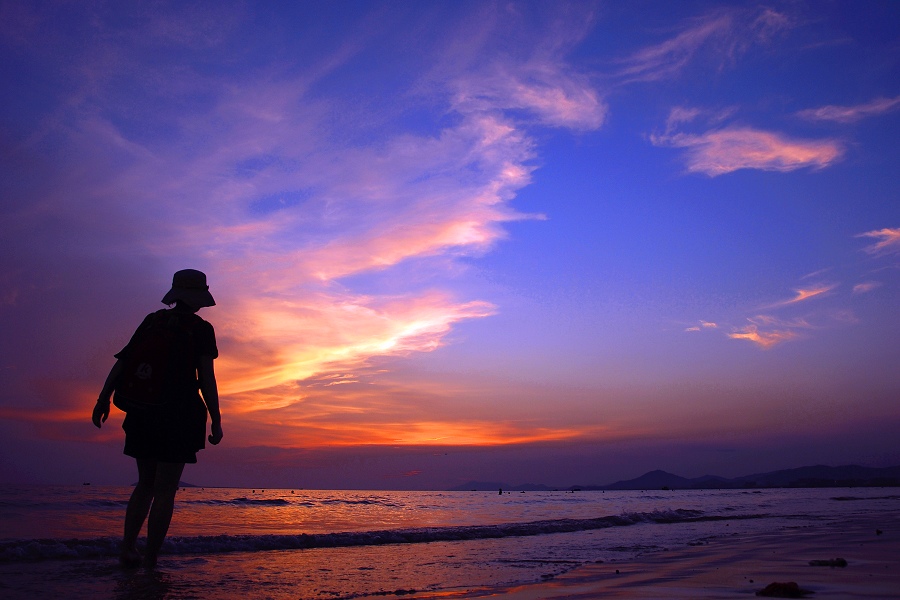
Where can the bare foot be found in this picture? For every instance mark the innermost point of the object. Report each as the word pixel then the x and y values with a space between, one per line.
pixel 130 558
pixel 149 561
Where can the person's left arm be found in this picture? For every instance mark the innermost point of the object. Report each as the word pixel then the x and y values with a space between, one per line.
pixel 210 392
pixel 101 409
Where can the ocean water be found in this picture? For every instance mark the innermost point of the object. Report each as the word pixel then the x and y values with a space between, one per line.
pixel 62 542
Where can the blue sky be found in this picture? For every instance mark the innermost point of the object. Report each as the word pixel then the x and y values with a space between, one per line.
pixel 524 241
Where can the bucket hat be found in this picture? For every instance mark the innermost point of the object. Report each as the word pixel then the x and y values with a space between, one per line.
pixel 189 286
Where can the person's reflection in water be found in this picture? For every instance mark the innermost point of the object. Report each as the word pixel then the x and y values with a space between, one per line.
pixel 165 433
pixel 144 585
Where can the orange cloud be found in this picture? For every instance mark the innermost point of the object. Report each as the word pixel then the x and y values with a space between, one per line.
pixel 851 114
pixel 275 341
pixel 407 433
pixel 767 331
pixel 764 339
pixel 804 294
pixel 380 407
pixel 726 150
pixel 372 417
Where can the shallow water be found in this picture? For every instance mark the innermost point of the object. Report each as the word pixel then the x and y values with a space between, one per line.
pixel 62 541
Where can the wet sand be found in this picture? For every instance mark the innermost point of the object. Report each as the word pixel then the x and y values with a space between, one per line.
pixel 738 566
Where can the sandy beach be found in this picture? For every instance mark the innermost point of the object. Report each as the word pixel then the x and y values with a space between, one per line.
pixel 739 566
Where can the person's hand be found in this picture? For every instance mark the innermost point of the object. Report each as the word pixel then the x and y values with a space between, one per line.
pixel 101 413
pixel 216 436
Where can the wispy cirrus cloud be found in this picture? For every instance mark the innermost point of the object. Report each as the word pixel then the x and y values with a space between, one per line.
pixel 727 150
pixel 329 245
pixel 851 114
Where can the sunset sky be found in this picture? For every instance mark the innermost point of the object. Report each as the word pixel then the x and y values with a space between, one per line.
pixel 527 242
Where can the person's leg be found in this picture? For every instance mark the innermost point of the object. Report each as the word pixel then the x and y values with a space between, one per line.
pixel 168 475
pixel 136 513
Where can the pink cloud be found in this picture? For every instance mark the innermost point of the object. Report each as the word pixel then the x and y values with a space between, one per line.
pixel 888 241
pixel 669 57
pixel 865 287
pixel 851 114
pixel 726 150
pixel 506 60
pixel 557 98
pixel 723 35
pixel 703 325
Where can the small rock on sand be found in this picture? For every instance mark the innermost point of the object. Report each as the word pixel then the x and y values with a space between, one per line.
pixel 831 562
pixel 788 589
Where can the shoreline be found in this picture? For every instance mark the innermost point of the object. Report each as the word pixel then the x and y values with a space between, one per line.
pixel 737 566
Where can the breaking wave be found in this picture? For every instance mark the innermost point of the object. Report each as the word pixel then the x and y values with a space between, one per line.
pixel 50 549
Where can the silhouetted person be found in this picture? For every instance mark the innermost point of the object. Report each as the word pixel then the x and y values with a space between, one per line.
pixel 164 435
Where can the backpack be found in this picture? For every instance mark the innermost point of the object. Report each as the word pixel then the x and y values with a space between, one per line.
pixel 159 364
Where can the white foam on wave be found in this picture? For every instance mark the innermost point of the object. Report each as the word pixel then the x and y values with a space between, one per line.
pixel 48 549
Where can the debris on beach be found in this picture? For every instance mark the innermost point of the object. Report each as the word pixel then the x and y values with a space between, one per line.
pixel 831 562
pixel 788 589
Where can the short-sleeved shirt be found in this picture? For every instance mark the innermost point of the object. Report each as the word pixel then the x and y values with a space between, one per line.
pixel 178 432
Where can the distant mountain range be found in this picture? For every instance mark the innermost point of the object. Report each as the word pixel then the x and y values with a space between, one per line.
pixel 815 476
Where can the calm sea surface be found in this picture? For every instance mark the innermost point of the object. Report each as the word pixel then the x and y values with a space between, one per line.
pixel 62 542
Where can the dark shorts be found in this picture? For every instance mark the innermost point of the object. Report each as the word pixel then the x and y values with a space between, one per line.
pixel 172 436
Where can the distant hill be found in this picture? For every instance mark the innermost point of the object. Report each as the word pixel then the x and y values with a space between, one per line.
pixel 655 480
pixel 815 476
